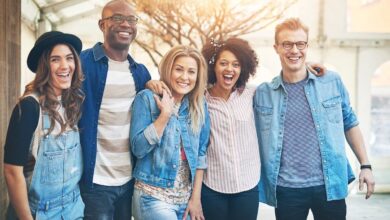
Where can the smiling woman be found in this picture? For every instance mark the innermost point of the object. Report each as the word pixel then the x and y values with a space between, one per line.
pixel 62 66
pixel 42 171
pixel 169 137
pixel 229 188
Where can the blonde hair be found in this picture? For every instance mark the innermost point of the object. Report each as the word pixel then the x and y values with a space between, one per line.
pixel 290 24
pixel 196 96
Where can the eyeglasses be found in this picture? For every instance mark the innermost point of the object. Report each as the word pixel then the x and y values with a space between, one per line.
pixel 288 45
pixel 119 19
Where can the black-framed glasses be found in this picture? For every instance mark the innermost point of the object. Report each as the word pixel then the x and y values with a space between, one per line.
pixel 119 19
pixel 288 45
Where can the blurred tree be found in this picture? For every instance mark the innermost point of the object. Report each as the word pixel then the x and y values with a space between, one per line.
pixel 166 23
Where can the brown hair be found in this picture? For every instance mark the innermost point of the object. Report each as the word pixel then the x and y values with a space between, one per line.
pixel 71 98
pixel 241 49
pixel 290 24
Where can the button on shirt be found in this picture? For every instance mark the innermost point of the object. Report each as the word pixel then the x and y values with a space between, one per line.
pixel 332 115
pixel 233 154
pixel 95 69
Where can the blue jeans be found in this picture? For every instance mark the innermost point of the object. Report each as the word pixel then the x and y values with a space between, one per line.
pixel 107 202
pixel 147 207
pixel 242 205
pixel 295 203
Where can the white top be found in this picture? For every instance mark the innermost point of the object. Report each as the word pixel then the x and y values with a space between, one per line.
pixel 233 155
pixel 113 162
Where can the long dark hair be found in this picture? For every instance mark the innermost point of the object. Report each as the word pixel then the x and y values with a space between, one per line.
pixel 71 98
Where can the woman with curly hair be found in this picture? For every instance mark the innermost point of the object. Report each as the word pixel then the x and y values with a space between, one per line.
pixel 42 160
pixel 229 188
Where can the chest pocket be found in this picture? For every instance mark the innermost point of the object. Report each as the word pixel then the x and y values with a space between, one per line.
pixel 62 165
pixel 265 115
pixel 333 109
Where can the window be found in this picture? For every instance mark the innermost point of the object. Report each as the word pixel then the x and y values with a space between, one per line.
pixel 380 111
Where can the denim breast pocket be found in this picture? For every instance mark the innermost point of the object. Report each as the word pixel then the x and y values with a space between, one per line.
pixel 333 109
pixel 264 115
pixel 61 165
pixel 73 163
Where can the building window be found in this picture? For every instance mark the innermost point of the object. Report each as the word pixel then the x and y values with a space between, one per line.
pixel 380 111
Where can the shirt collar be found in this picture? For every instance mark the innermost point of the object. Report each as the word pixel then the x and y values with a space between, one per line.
pixel 278 81
pixel 184 104
pixel 98 54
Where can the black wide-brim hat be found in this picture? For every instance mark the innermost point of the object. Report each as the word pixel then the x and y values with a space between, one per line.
pixel 47 41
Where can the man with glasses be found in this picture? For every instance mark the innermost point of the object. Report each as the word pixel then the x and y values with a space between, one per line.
pixel 112 79
pixel 302 121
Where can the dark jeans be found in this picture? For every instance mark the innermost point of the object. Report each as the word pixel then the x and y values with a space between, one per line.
pixel 107 202
pixel 221 206
pixel 295 203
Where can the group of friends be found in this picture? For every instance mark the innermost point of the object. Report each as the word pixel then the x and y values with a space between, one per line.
pixel 93 137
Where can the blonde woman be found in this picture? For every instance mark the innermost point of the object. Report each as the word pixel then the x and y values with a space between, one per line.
pixel 169 136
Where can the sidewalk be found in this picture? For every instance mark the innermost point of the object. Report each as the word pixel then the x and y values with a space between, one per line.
pixel 375 208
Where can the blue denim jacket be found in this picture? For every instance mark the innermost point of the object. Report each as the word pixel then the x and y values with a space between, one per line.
pixel 95 66
pixel 158 159
pixel 332 115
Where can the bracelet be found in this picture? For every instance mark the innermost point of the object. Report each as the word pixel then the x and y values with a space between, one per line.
pixel 368 166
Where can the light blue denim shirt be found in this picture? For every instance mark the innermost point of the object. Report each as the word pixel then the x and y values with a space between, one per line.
pixel 332 115
pixel 158 159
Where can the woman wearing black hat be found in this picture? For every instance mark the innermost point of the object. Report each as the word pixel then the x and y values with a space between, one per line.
pixel 42 160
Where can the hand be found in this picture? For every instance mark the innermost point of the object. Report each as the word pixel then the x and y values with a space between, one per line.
pixel 367 177
pixel 158 87
pixel 194 209
pixel 166 104
pixel 316 68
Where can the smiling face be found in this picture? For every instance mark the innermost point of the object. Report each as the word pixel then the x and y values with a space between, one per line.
pixel 292 60
pixel 183 76
pixel 62 66
pixel 118 35
pixel 227 71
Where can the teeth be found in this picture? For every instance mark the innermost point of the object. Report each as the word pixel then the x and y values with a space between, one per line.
pixel 124 33
pixel 182 84
pixel 293 58
pixel 63 74
pixel 228 76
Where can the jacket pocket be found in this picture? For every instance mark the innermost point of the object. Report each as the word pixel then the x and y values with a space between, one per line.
pixel 264 114
pixel 333 109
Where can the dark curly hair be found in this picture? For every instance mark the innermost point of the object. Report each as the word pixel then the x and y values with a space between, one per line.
pixel 241 49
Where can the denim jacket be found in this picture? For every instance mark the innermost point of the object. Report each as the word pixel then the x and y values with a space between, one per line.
pixel 95 66
pixel 158 159
pixel 332 115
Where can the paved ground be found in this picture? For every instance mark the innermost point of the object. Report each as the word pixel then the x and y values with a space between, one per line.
pixel 375 208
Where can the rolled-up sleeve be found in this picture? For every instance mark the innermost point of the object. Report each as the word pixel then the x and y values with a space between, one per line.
pixel 349 117
pixel 143 135
pixel 151 135
pixel 204 141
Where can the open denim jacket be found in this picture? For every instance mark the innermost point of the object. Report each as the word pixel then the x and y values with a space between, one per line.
pixel 158 159
pixel 332 115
